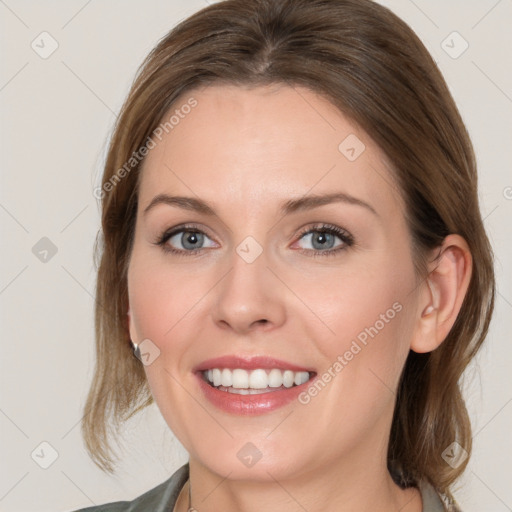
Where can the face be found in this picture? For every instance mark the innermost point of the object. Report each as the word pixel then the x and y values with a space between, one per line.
pixel 324 288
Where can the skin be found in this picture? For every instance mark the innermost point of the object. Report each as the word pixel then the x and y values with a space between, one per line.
pixel 246 151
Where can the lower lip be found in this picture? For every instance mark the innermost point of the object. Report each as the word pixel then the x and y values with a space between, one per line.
pixel 249 405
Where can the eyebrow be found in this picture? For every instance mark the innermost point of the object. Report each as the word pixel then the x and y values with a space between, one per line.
pixel 291 206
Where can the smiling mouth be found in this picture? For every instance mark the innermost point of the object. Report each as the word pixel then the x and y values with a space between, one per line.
pixel 254 382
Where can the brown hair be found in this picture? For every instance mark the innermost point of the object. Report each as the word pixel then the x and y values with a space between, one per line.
pixel 373 67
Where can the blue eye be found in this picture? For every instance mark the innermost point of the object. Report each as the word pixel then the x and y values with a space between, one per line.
pixel 192 239
pixel 323 237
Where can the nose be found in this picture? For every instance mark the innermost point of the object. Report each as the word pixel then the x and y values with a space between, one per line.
pixel 249 297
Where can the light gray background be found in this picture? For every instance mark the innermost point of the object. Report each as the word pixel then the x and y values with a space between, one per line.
pixel 56 114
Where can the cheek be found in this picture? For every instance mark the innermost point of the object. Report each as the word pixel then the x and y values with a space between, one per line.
pixel 162 307
pixel 358 295
pixel 368 310
pixel 161 297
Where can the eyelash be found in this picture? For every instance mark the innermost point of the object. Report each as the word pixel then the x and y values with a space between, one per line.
pixel 344 236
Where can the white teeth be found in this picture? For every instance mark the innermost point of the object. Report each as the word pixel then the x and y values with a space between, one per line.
pixel 238 380
pixel 288 378
pixel 217 377
pixel 244 391
pixel 227 378
pixel 258 379
pixel 238 391
pixel 275 378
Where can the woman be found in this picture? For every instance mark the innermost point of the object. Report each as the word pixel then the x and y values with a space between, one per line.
pixel 292 244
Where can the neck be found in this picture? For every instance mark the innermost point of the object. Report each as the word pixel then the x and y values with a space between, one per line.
pixel 337 487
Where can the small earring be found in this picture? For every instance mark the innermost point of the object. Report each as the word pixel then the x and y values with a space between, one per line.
pixel 136 350
pixel 428 310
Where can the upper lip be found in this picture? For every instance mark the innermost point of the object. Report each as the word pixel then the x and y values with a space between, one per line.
pixel 248 363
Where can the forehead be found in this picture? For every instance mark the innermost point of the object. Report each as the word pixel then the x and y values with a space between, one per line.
pixel 253 144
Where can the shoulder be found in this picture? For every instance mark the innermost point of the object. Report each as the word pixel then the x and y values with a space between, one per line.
pixel 435 502
pixel 159 499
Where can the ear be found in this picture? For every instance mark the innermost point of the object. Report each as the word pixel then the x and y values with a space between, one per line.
pixel 441 294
